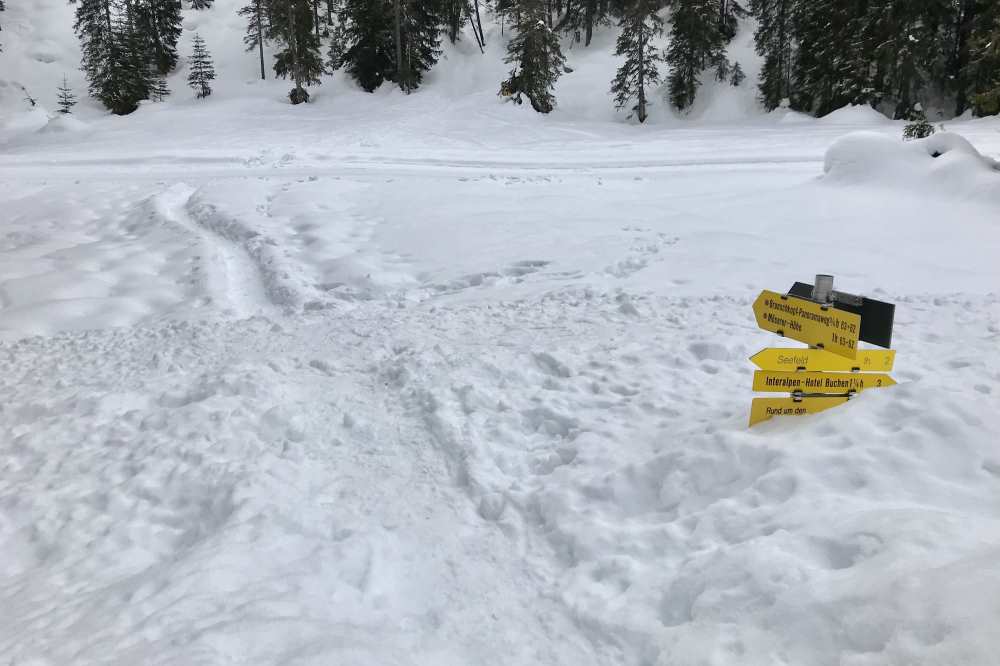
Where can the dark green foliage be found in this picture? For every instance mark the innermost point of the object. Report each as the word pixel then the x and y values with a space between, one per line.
pixel 159 90
pixel 67 100
pixel 300 59
pixel 982 74
pixel 129 75
pixel 159 24
pixel 256 14
pixel 453 14
pixel 338 41
pixel 201 71
pixel 370 54
pixel 695 44
pixel 918 127
pixel 639 25
pixel 536 58
pixel 201 4
pixel 420 38
pixel 736 76
pixel 774 41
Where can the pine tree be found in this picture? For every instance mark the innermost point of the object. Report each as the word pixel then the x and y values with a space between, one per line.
pixel 130 78
pixel 981 76
pixel 201 4
pixel 536 58
pixel 159 90
pixel 419 33
pixel 369 56
pixel 67 100
pixel 256 13
pixel 639 26
pixel 775 42
pixel 918 127
pixel 300 58
pixel 695 44
pixel 159 23
pixel 202 72
pixel 338 40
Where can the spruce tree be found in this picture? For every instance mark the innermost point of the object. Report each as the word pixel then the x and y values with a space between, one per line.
pixel 536 57
pixel 159 90
pixel 256 12
pixel 695 43
pixel 159 23
pixel 338 40
pixel 775 42
pixel 202 72
pixel 369 54
pixel 300 58
pixel 981 76
pixel 419 33
pixel 201 4
pixel 130 78
pixel 67 100
pixel 639 25
pixel 94 28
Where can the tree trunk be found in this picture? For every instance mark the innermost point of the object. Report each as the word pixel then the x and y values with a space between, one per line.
pixel 479 22
pixel 399 45
pixel 293 42
pixel 260 37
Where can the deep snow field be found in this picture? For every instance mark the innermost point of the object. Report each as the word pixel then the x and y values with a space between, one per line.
pixel 436 380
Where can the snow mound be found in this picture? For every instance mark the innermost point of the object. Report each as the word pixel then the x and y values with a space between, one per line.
pixel 945 164
pixel 62 123
pixel 855 114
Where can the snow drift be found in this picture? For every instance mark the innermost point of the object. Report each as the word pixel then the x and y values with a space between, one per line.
pixel 944 164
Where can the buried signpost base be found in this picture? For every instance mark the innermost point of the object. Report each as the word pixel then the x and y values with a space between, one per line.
pixel 832 369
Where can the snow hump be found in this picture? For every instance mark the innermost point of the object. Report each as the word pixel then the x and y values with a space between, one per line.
pixel 944 164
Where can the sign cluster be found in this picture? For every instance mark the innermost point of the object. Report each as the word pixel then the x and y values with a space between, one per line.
pixel 832 368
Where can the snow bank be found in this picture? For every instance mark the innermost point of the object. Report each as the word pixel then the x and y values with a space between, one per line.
pixel 943 164
pixel 61 124
pixel 855 114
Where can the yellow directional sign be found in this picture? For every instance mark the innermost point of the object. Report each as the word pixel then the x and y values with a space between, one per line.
pixel 814 324
pixel 867 360
pixel 763 409
pixel 819 382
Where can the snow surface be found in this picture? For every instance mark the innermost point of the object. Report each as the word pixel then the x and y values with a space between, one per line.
pixel 436 380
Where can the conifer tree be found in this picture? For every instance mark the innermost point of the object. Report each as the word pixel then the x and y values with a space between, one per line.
pixel 695 43
pixel 129 77
pixel 338 40
pixel 640 24
pixel 419 33
pixel 2 7
pixel 536 57
pixel 201 4
pixel 67 100
pixel 256 13
pixel 300 58
pixel 159 23
pixel 202 72
pixel 981 75
pixel 159 90
pixel 775 42
pixel 369 54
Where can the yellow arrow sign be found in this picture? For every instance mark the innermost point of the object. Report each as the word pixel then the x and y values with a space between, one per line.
pixel 819 382
pixel 880 360
pixel 814 324
pixel 763 409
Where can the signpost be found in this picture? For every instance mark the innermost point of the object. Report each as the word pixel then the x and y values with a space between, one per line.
pixel 832 369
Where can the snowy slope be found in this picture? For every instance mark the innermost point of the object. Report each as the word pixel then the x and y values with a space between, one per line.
pixel 436 380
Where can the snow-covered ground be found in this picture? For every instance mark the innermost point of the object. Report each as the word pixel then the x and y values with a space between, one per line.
pixel 435 380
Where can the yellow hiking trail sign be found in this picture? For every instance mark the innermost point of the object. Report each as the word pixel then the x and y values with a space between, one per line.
pixel 814 324
pixel 819 382
pixel 789 359
pixel 763 409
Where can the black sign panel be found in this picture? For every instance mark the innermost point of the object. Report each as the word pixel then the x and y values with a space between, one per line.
pixel 876 316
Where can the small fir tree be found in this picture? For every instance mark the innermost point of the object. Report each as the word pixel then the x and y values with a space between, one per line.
pixel 159 91
pixel 640 24
pixel 918 127
pixel 419 33
pixel 67 100
pixel 202 72
pixel 536 58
